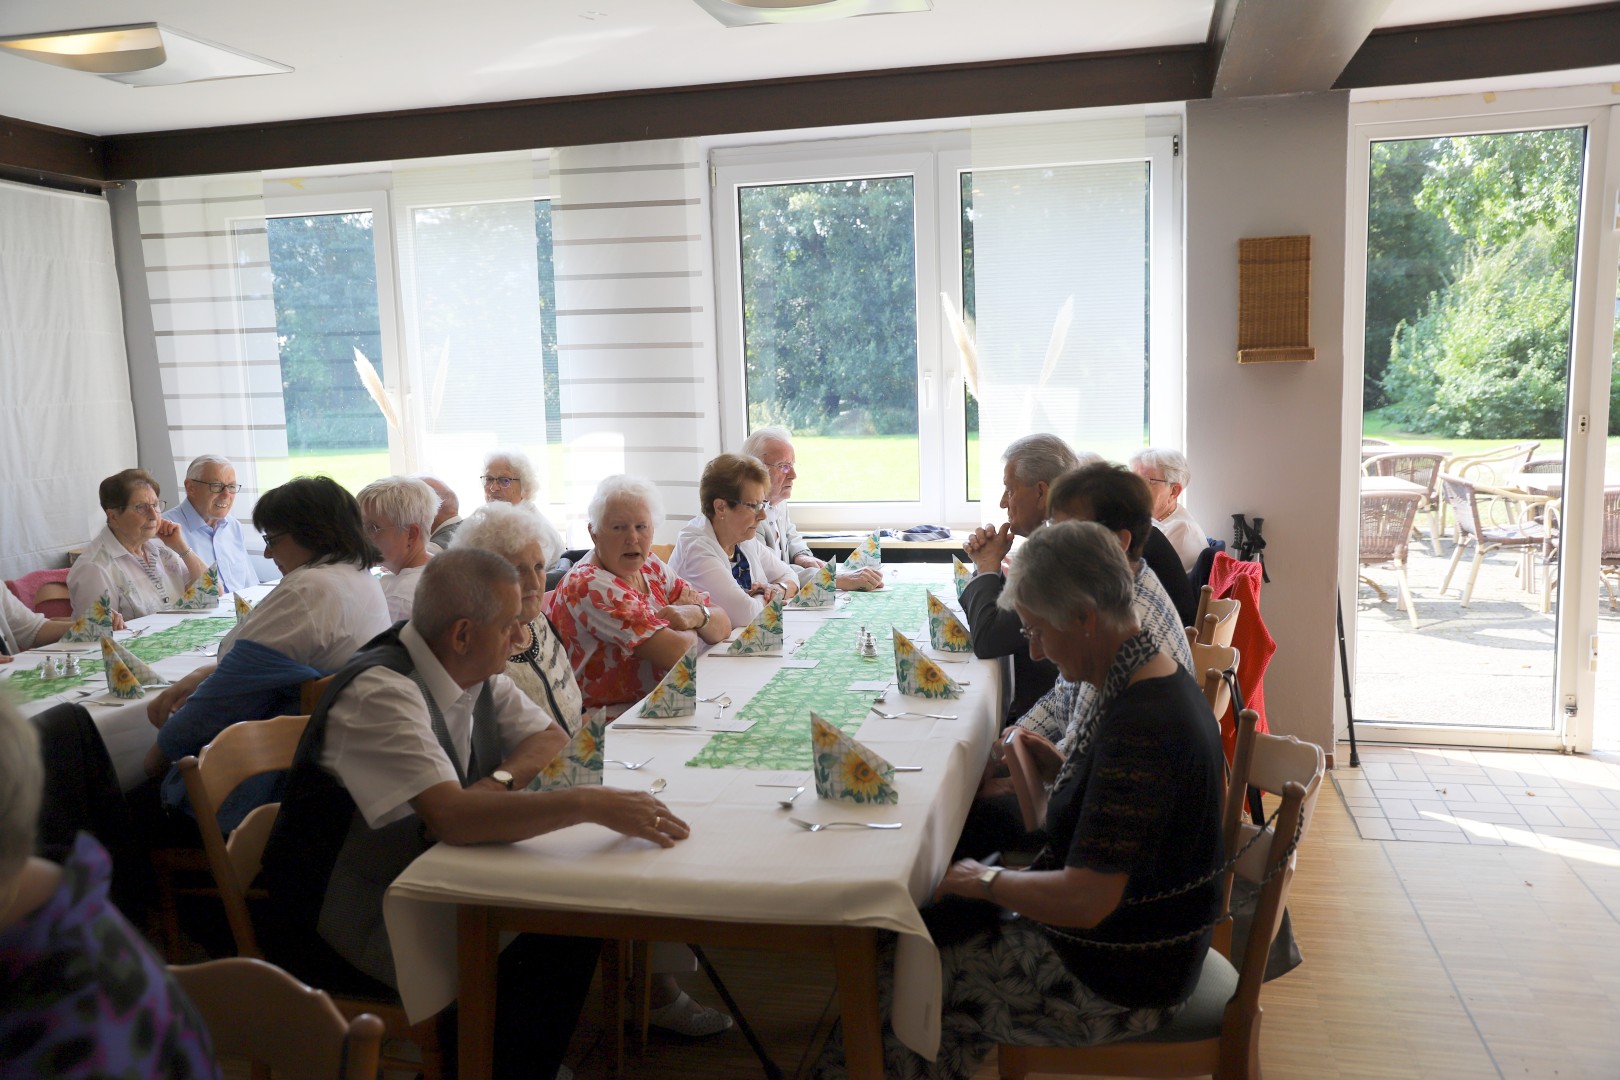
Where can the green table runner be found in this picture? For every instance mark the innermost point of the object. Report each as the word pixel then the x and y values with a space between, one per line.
pixel 780 737
pixel 181 638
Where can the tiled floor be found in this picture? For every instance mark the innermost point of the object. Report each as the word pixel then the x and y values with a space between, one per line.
pixel 1568 804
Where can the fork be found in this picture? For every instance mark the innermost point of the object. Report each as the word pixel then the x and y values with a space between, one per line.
pixel 631 765
pixel 817 826
pixel 928 715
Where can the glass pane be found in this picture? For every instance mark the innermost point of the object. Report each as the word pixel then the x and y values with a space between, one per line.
pixel 1606 719
pixel 324 278
pixel 830 331
pixel 1470 286
pixel 970 403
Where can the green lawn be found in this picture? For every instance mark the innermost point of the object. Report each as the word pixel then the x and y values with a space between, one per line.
pixel 1377 428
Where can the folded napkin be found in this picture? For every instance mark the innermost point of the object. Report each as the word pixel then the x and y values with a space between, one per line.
pixel 847 770
pixel 202 594
pixel 763 635
pixel 112 650
pixel 580 762
pixel 93 625
pixel 820 590
pixel 918 675
pixel 961 573
pixel 870 553
pixel 676 692
pixel 121 681
pixel 242 608
pixel 945 631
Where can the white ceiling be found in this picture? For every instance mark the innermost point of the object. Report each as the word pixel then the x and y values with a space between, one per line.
pixel 356 56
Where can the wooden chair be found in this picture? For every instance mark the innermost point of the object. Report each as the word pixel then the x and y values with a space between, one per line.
pixel 258 1012
pixel 1210 663
pixel 1026 779
pixel 1386 532
pixel 1420 467
pixel 1524 536
pixel 663 551
pixel 310 691
pixel 1216 620
pixel 1218 1032
pixel 246 750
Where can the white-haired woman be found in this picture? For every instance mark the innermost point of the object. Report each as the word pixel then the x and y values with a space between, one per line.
pixel 624 616
pixel 81 992
pixel 1168 474
pixel 540 666
pixel 509 477
pixel 397 514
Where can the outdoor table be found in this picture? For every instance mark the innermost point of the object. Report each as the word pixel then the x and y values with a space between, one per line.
pixel 1390 485
pixel 1547 485
pixel 746 876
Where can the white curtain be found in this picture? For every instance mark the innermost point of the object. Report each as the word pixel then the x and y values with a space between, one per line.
pixel 65 416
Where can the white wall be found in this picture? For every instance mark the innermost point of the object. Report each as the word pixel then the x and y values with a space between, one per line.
pixel 1264 439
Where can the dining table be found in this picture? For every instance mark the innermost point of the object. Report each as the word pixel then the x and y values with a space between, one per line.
pixel 748 875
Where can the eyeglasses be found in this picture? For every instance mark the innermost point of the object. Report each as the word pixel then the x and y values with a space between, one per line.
pixel 373 530
pixel 756 507
pixel 1151 480
pixel 216 487
pixel 1030 633
pixel 502 482
pixel 781 467
pixel 270 539
pixel 152 508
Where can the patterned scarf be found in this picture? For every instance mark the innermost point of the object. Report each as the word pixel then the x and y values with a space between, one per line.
pixel 1135 651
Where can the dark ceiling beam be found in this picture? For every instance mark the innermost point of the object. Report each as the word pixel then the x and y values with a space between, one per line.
pixel 1261 47
pixel 37 154
pixel 1562 40
pixel 1030 85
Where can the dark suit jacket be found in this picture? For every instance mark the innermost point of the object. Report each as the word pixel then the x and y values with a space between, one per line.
pixel 996 634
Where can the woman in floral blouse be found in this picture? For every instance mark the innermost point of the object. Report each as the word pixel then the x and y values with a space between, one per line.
pixel 624 617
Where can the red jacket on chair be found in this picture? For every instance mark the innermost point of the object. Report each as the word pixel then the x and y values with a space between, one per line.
pixel 1241 580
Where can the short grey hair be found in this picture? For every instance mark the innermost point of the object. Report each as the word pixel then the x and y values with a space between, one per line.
pixel 1040 457
pixel 1069 569
pixel 20 764
pixel 519 461
pixel 1171 464
pixel 459 584
pixel 762 438
pixel 506 530
pixel 403 500
pixel 624 486
pixel 446 494
pixel 194 471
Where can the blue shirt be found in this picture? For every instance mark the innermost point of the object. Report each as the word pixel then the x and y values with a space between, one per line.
pixel 221 545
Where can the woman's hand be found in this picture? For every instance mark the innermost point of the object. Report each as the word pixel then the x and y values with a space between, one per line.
pixel 118 622
pixel 169 532
pixel 167 703
pixel 962 879
pixel 682 616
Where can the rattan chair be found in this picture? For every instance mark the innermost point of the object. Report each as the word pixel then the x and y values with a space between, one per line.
pixel 1420 467
pixel 1525 536
pixel 1386 532
pixel 1609 551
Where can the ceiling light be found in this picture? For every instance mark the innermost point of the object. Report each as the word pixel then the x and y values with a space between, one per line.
pixel 142 54
pixel 756 12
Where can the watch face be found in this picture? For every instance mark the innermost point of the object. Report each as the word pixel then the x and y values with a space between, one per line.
pixel 501 776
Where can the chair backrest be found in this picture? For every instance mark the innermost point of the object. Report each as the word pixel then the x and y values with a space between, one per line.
pixel 663 551
pixel 44 592
pixel 1610 548
pixel 310 691
pixel 1216 621
pixel 258 1012
pixel 241 751
pixel 1459 495
pixel 1490 466
pixel 1026 780
pixel 1551 466
pixel 1209 662
pixel 1386 525
pixel 1420 467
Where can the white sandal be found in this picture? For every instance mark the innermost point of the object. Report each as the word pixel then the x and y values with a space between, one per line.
pixel 684 1016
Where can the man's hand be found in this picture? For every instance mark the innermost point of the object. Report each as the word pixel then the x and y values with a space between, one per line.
pixel 988 547
pixel 635 813
pixel 866 579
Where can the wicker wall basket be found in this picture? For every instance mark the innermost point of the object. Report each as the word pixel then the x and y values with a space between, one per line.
pixel 1274 300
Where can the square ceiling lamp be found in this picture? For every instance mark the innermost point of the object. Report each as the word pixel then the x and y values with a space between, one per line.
pixel 139 54
pixel 758 12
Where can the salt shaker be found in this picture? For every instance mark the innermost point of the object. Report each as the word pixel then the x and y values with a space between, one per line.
pixel 47 670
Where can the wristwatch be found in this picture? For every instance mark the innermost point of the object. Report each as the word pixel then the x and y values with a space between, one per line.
pixel 501 776
pixel 987 877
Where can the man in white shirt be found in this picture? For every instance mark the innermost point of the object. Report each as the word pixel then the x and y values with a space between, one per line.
pixel 774 446
pixel 422 737
pixel 397 512
pixel 205 521
pixel 22 629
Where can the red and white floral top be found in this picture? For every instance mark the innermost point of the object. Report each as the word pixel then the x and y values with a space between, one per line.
pixel 601 620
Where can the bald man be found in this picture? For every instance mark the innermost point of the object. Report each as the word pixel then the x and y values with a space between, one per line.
pixel 448 519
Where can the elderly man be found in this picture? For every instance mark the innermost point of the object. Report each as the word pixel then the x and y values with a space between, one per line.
pixel 422 738
pixel 206 523
pixel 1031 464
pixel 397 512
pixel 774 446
pixel 448 519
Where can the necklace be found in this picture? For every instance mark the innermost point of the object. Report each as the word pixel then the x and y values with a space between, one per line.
pixel 530 654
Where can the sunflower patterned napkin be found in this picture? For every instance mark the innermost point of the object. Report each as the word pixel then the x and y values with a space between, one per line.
pixel 202 594
pixel 918 675
pixel 112 651
pixel 821 590
pixel 676 693
pixel 93 625
pixel 945 631
pixel 122 682
pixel 847 770
pixel 578 764
pixel 870 553
pixel 961 574
pixel 763 636
pixel 242 608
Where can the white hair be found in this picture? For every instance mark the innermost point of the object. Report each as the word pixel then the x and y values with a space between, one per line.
pixel 20 764
pixel 622 486
pixel 194 471
pixel 1068 570
pixel 506 530
pixel 403 500
pixel 1039 457
pixel 459 585
pixel 762 438
pixel 519 462
pixel 1171 464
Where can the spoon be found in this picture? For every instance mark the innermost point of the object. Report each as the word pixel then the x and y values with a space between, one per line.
pixel 898 715
pixel 717 697
pixel 787 803
pixel 631 765
pixel 817 826
pixel 658 785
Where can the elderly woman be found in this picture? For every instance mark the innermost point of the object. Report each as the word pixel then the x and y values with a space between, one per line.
pixel 540 666
pixel 397 514
pixel 718 550
pixel 1116 912
pixel 139 561
pixel 81 992
pixel 510 478
pixel 624 617
pixel 326 607
pixel 1168 474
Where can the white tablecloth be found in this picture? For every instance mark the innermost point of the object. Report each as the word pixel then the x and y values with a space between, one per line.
pixel 744 862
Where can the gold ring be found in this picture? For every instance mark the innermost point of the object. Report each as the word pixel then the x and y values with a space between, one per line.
pixel 657 821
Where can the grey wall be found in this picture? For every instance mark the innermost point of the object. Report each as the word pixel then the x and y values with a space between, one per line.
pixel 1264 440
pixel 145 381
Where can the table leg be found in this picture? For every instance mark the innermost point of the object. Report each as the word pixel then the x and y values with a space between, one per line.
pixel 478 951
pixel 855 960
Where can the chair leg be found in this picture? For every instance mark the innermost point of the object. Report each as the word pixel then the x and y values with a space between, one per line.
pixel 1434 530
pixel 1473 573
pixel 1456 557
pixel 1406 593
pixel 1374 586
